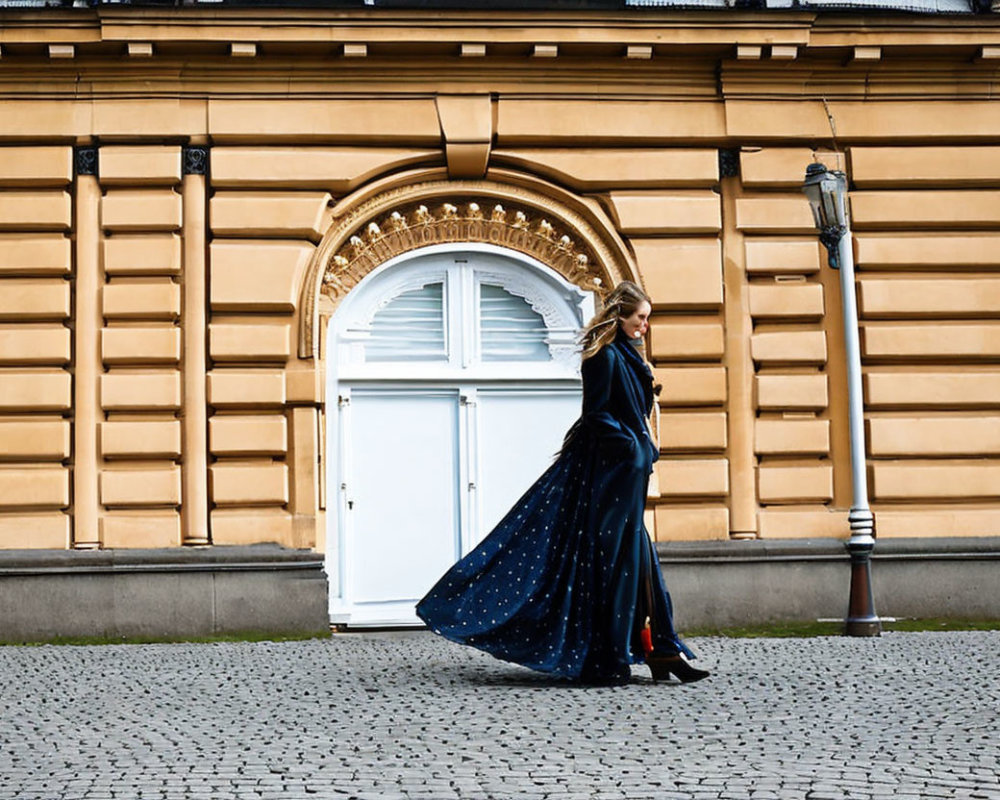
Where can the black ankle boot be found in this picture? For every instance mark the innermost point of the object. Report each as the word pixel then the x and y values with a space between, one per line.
pixel 663 667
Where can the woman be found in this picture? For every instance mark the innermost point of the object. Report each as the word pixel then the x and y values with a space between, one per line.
pixel 568 582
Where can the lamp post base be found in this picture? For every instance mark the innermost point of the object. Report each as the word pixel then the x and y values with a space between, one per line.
pixel 861 617
pixel 861 627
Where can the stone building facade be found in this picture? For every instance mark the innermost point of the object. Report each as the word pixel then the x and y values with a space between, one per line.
pixel 188 195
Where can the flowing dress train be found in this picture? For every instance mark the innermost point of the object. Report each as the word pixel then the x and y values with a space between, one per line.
pixel 556 586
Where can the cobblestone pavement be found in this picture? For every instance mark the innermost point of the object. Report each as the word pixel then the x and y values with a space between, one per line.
pixel 394 716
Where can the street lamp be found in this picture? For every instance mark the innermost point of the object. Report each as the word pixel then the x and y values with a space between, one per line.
pixel 827 193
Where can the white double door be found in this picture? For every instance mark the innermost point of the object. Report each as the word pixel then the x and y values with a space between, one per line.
pixel 425 474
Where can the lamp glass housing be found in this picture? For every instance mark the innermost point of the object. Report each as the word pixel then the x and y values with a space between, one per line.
pixel 827 194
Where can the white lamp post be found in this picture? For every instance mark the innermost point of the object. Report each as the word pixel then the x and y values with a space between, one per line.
pixel 827 193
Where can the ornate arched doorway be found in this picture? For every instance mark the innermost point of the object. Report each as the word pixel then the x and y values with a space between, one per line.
pixel 445 313
pixel 454 374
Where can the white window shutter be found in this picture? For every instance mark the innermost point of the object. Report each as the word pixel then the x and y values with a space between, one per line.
pixel 510 329
pixel 410 327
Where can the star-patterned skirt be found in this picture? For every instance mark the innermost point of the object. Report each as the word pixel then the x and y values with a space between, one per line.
pixel 557 585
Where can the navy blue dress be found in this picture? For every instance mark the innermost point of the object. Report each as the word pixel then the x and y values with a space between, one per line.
pixel 559 584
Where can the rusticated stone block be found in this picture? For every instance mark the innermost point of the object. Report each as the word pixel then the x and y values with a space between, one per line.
pixel 677 212
pixel 334 169
pixel 932 389
pixel 935 480
pixel 34 345
pixel 248 435
pixel 262 342
pixel 141 487
pixel 284 214
pixel 934 436
pixel 230 388
pixel 561 122
pixel 767 256
pixel 141 345
pixel 159 299
pixel 684 523
pixel 707 477
pixel 249 484
pixel 257 276
pixel 27 439
pixel 791 392
pixel 236 526
pixel 965 341
pixel 876 251
pixel 36 166
pixel 304 385
pixel 140 165
pixel 34 487
pixel 141 439
pixel 789 347
pixel 925 209
pixel 774 214
pixel 27 299
pixel 148 530
pixel 141 210
pixel 691 386
pixel 35 390
pixel 929 297
pixel 795 484
pixel 792 436
pixel 774 167
pixel 153 254
pixel 698 431
pixel 925 166
pixel 926 522
pixel 681 273
pixel 34 531
pixel 701 341
pixel 35 211
pixel 369 120
pixel 34 254
pixel 899 121
pixel 126 391
pixel 789 523
pixel 145 117
pixel 786 301
pixel 610 168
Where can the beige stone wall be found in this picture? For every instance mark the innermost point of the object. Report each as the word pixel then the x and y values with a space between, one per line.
pixel 36 398
pixel 929 309
pixel 154 388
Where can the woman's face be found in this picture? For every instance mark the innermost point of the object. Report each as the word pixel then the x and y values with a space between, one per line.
pixel 637 323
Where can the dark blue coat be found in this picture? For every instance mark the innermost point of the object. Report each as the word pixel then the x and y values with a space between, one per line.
pixel 559 584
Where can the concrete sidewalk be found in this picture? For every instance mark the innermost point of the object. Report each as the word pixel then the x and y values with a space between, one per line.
pixel 411 716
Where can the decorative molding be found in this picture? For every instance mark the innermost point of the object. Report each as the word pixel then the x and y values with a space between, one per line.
pixel 85 161
pixel 639 51
pixel 407 218
pixel 749 52
pixel 835 81
pixel 410 227
pixel 195 160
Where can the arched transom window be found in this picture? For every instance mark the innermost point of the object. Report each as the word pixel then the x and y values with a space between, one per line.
pixel 471 311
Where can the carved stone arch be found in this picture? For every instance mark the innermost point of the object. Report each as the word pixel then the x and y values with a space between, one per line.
pixel 408 212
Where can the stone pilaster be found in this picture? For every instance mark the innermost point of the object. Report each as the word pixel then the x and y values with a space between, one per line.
pixel 194 470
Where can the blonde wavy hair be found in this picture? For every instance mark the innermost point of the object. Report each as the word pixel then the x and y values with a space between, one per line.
pixel 621 302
